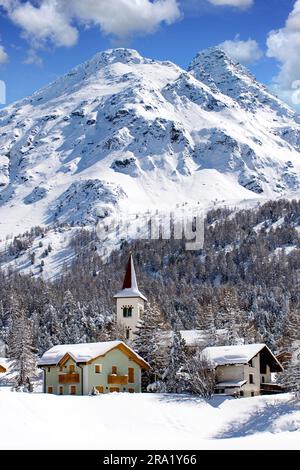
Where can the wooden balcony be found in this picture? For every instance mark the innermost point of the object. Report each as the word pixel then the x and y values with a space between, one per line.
pixel 68 378
pixel 113 379
pixel 269 388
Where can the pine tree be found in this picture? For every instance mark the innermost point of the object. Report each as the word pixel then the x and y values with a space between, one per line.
pixel 211 337
pixel 291 330
pixel 148 343
pixel 290 378
pixel 172 376
pixel 229 315
pixel 21 350
pixel 294 377
pixel 70 319
pixel 115 332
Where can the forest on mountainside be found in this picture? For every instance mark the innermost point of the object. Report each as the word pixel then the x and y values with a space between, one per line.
pixel 246 275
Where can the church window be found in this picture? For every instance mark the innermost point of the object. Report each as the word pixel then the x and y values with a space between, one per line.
pixel 127 312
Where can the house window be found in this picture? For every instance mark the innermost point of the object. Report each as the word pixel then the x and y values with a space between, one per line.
pixel 141 312
pixel 98 368
pixel 71 368
pixel 127 333
pixel 251 363
pixel 114 370
pixel 252 394
pixel 61 390
pixel 50 389
pixel 241 393
pixel 251 379
pixel 127 312
pixel 131 390
pixel 49 369
pixel 262 379
pixel 114 389
pixel 73 389
pixel 131 375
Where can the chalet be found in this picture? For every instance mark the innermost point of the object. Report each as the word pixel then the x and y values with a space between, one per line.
pixel 2 369
pixel 78 369
pixel 243 370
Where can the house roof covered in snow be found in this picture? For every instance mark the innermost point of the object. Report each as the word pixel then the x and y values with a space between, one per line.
pixel 239 354
pixel 192 338
pixel 86 352
pixel 130 286
pixel 231 384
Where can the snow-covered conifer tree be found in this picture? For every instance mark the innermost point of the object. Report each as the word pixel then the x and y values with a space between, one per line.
pixel 173 377
pixel 21 350
pixel 148 343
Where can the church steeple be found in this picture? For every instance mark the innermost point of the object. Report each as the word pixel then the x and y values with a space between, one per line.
pixel 130 277
pixel 130 301
pixel 130 286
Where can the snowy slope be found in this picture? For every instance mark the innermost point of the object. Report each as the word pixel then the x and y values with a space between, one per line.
pixel 29 421
pixel 126 133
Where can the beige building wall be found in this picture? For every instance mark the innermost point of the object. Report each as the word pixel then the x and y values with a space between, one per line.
pixel 239 372
pixel 130 323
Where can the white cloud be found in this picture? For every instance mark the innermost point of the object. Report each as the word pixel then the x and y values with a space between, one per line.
pixel 245 52
pixel 125 17
pixel 284 45
pixel 33 58
pixel 233 3
pixel 55 21
pixel 45 22
pixel 3 55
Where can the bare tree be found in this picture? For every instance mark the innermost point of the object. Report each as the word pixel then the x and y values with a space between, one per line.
pixel 200 374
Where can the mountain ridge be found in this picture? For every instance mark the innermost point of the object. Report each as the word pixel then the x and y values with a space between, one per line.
pixel 146 132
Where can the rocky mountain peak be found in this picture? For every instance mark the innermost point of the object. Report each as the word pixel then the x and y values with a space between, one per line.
pixel 218 70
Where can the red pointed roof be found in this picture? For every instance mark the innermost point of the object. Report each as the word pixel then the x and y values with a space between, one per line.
pixel 127 284
pixel 130 286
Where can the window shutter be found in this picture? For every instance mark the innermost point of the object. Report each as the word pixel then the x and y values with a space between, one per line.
pixel 130 375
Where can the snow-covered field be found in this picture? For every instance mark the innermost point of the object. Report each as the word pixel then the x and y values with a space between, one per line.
pixel 147 421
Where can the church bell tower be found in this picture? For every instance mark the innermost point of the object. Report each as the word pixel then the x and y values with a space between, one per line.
pixel 130 302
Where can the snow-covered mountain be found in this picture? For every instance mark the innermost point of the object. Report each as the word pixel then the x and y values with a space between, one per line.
pixel 123 132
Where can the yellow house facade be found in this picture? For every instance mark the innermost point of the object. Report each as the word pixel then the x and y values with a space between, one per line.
pixel 82 369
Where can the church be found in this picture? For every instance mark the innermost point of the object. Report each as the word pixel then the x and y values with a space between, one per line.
pixel 130 302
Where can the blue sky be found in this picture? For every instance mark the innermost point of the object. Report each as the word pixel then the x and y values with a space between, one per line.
pixel 42 39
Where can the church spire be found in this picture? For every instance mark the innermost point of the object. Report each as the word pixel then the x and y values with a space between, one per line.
pixel 130 286
pixel 130 277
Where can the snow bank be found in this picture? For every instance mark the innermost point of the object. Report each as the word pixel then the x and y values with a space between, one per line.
pixel 146 421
